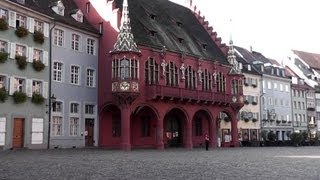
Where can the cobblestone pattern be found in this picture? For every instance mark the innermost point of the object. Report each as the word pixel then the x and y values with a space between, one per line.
pixel 232 163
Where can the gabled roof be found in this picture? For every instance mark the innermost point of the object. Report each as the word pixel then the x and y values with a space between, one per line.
pixel 312 59
pixel 163 17
pixel 44 7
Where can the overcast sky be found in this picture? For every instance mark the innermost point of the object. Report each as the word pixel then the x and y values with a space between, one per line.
pixel 269 26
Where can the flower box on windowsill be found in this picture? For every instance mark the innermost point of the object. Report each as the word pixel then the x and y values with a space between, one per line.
pixel 278 121
pixel 3 95
pixel 19 97
pixel 254 85
pixel 284 121
pixel 254 119
pixel 38 65
pixel 21 32
pixel 37 98
pixel 38 37
pixel 21 61
pixel 246 119
pixel 254 103
pixel 3 57
pixel 3 24
pixel 246 102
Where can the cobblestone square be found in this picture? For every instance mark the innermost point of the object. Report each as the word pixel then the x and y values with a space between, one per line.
pixel 232 163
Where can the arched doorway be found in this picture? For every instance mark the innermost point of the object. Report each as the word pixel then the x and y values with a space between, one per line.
pixel 174 128
pixel 110 127
pixel 200 126
pixel 144 127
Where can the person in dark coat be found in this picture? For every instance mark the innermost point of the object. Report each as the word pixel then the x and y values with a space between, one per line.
pixel 207 140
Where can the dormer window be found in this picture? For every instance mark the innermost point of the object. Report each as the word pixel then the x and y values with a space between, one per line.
pixel 179 24
pixel 272 71
pixel 78 16
pixel 277 72
pixel 59 8
pixel 249 67
pixel 153 16
pixel 204 46
pixel 21 1
pixel 180 40
pixel 88 7
pixel 153 33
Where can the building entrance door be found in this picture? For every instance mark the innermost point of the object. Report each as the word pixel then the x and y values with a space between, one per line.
pixel 89 132
pixel 174 132
pixel 17 139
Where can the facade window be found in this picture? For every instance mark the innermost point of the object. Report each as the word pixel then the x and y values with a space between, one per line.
pixel 74 126
pixel 125 69
pixel 90 78
pixel 37 55
pixel 171 75
pixel 36 87
pixel 275 86
pixel 295 104
pixel 116 126
pixel 221 82
pixel 4 14
pixel 151 72
pixel 303 106
pixel 21 21
pixel 58 37
pixel 74 108
pixel 89 109
pixel 57 71
pixel 198 127
pixel 38 26
pixel 19 85
pixel 75 42
pixel 56 128
pixel 281 87
pixel 190 76
pixel 270 101
pixel 75 74
pixel 276 102
pixel 281 102
pixel 3 46
pixel 145 126
pixel 206 81
pixel 287 88
pixel 21 50
pixel 2 81
pixel 269 85
pixel 57 107
pixel 299 105
pixel 90 46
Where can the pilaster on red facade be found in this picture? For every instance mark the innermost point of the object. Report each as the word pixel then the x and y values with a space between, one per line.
pixel 167 80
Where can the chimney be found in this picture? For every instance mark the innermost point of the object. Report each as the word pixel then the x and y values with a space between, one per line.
pixel 251 49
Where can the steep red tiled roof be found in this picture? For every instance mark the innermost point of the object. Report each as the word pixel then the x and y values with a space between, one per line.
pixel 312 59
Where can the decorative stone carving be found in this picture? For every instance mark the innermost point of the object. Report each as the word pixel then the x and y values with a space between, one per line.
pixel 182 68
pixel 164 65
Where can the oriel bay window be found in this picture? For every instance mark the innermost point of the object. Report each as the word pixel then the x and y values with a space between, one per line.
pixel 125 69
pixel 206 81
pixel 236 86
pixel 151 72
pixel 171 74
pixel 190 76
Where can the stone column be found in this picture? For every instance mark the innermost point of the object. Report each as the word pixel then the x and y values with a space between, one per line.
pixel 234 132
pixel 188 143
pixel 160 144
pixel 125 129
pixel 213 134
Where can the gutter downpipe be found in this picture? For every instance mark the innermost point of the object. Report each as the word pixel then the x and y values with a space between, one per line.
pixel 50 81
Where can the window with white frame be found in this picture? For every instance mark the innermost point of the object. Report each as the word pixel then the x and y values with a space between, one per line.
pixel 37 55
pixel 269 85
pixel 38 26
pixel 21 21
pixel 21 50
pixel 2 81
pixel 90 46
pixel 58 37
pixel 74 108
pixel 89 109
pixel 57 71
pixel 4 14
pixel 19 84
pixel 74 126
pixel 281 87
pixel 56 126
pixel 90 78
pixel 75 72
pixel 287 88
pixel 275 86
pixel 3 46
pixel 57 107
pixel 36 87
pixel 75 42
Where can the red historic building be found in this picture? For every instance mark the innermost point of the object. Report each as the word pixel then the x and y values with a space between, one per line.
pixel 165 79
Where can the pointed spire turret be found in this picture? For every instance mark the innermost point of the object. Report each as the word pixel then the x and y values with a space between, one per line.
pixel 125 40
pixel 232 59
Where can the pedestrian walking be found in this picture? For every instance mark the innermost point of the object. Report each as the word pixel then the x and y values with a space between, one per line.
pixel 206 139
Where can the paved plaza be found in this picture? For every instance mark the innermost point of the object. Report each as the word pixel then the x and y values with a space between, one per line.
pixel 224 163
